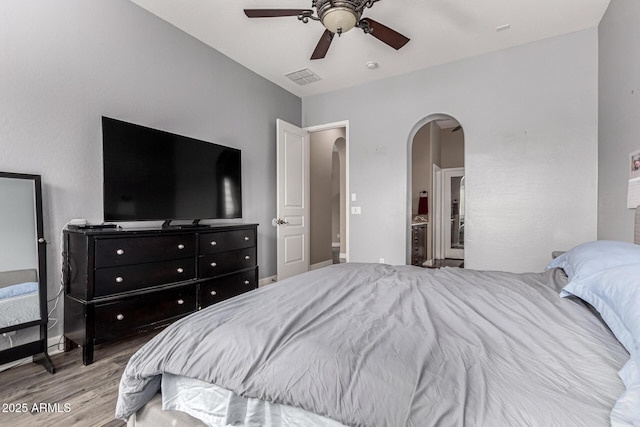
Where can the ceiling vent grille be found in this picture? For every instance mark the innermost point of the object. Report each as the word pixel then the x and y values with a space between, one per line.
pixel 303 77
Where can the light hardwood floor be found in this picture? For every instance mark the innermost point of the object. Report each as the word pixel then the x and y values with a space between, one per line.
pixel 76 395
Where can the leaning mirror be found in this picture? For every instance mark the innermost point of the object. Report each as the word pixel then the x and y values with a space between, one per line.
pixel 23 284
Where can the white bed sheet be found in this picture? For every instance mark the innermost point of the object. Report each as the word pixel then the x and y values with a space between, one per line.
pixel 216 406
pixel 17 310
pixel 20 309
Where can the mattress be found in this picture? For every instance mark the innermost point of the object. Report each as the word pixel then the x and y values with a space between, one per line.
pixel 371 344
pixel 19 309
pixel 19 303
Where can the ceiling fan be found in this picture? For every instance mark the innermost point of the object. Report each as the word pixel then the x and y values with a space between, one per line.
pixel 338 17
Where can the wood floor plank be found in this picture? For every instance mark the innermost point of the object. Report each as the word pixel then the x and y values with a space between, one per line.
pixel 76 395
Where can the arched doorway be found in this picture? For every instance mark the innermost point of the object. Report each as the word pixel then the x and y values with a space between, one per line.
pixel 436 199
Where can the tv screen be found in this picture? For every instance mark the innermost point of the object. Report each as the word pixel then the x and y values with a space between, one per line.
pixel 155 175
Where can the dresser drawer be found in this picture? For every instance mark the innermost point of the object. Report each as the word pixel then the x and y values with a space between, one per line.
pixel 222 241
pixel 114 280
pixel 226 262
pixel 133 250
pixel 120 318
pixel 221 288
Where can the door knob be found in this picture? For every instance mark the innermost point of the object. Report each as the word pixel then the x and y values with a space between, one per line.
pixel 277 221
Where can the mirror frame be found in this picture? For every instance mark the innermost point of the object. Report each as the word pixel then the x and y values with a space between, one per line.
pixel 38 348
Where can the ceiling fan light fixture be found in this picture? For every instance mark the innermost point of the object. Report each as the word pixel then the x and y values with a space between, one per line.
pixel 337 16
pixel 339 20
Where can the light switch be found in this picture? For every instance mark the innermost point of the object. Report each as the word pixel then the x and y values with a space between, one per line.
pixel 356 210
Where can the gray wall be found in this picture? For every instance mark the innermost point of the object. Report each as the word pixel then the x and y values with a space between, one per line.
pixel 619 115
pixel 67 63
pixel 452 145
pixel 530 116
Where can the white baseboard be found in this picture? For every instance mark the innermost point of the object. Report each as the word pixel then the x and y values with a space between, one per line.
pixel 320 265
pixel 52 345
pixel 267 281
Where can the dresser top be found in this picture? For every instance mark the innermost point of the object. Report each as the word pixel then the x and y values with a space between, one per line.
pixel 178 229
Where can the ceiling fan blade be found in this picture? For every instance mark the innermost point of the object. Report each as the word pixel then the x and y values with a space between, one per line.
pixel 386 34
pixel 274 13
pixel 323 45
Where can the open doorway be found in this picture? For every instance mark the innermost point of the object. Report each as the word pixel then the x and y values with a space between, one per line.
pixel 436 200
pixel 338 202
pixel 328 197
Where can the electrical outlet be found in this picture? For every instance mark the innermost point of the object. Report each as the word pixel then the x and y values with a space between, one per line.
pixel 381 260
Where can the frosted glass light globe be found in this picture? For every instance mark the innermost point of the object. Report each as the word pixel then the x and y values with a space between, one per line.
pixel 339 20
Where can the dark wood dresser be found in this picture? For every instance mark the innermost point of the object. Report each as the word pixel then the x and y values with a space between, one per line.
pixel 122 282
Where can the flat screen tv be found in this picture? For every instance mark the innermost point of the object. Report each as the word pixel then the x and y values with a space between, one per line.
pixel 150 174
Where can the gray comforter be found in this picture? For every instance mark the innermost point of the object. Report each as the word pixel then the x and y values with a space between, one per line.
pixel 376 345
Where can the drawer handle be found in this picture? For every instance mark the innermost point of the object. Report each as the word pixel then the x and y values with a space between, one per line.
pixel 246 282
pixel 213 243
pixel 214 293
pixel 180 270
pixel 120 251
pixel 213 264
pixel 246 238
pixel 180 301
pixel 119 279
pixel 180 246
pixel 247 257
pixel 120 317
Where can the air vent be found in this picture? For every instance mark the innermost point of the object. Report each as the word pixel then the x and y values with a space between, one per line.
pixel 303 77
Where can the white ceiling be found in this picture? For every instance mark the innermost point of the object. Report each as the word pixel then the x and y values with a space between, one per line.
pixel 441 31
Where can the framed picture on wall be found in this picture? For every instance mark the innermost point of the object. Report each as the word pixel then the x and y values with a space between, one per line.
pixel 634 164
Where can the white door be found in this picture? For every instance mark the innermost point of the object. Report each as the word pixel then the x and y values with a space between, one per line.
pixel 292 151
pixel 453 215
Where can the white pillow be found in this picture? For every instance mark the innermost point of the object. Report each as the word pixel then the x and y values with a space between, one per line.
pixel 18 290
pixel 626 412
pixel 615 293
pixel 592 257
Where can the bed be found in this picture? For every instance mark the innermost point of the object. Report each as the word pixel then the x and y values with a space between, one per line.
pixel 380 345
pixel 19 303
